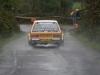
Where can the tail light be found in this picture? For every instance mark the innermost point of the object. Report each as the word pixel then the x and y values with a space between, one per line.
pixel 57 35
pixel 34 35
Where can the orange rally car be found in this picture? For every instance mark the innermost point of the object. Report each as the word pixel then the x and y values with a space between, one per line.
pixel 44 32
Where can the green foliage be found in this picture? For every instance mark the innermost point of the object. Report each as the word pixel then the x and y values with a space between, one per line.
pixel 97 37
pixel 8 24
pixel 76 5
pixel 24 9
pixel 92 43
pixel 9 5
pixel 90 23
pixel 50 7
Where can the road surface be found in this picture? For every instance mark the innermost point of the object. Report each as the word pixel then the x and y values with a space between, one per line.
pixel 74 58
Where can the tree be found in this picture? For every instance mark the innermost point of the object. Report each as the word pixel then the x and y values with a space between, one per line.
pixel 8 24
pixel 91 16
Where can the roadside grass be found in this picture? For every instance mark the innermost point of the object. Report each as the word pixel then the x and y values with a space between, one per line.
pixel 15 36
pixel 76 5
pixel 86 41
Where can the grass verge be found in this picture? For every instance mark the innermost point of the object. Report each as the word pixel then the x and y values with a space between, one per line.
pixel 93 44
pixel 15 36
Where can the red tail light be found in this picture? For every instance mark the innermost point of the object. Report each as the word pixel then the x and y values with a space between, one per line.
pixel 34 35
pixel 57 35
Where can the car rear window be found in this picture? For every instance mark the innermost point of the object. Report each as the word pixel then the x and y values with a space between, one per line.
pixel 45 26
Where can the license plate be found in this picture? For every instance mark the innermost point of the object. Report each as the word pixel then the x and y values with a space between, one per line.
pixel 45 35
pixel 45 40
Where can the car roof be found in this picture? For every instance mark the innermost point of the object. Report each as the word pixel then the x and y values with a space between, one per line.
pixel 46 21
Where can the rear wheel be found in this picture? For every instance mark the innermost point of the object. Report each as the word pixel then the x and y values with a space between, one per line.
pixel 58 44
pixel 62 43
pixel 30 42
pixel 34 44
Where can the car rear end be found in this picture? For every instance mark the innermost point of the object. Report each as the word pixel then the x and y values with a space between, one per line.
pixel 44 32
pixel 44 38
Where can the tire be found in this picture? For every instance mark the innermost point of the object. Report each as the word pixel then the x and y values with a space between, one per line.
pixel 30 43
pixel 58 44
pixel 34 44
pixel 62 43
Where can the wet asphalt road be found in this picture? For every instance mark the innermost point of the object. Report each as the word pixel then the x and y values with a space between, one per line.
pixel 74 58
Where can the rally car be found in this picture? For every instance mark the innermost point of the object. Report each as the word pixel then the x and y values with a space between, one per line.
pixel 45 32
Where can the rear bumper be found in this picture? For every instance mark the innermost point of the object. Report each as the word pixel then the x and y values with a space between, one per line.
pixel 43 41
